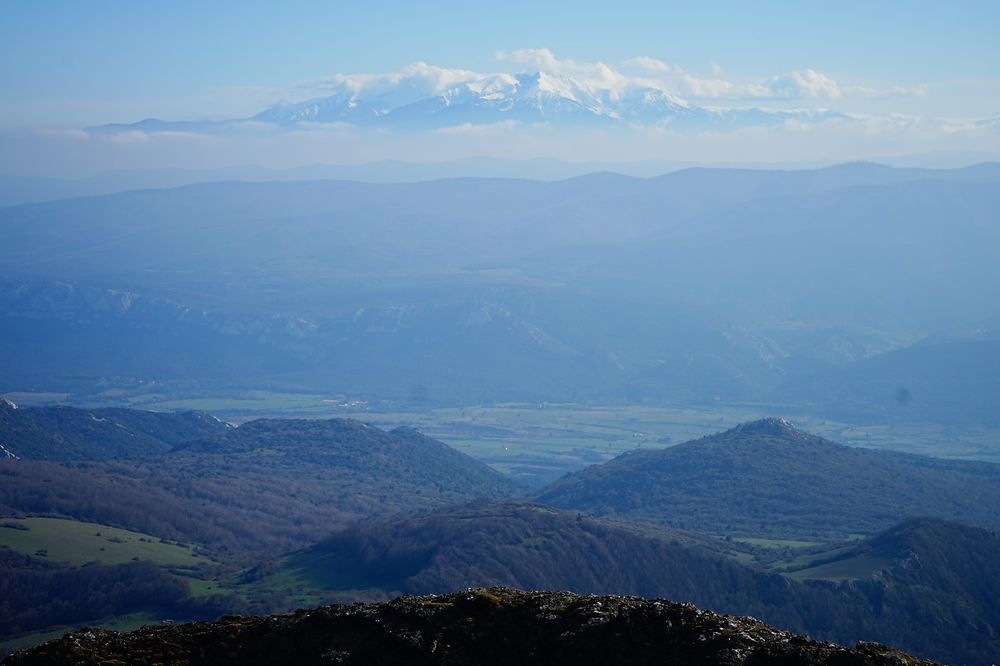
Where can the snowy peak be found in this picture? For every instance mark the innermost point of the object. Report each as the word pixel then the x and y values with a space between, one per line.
pixel 425 97
pixel 421 98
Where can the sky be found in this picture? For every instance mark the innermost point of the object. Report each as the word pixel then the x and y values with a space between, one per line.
pixel 931 66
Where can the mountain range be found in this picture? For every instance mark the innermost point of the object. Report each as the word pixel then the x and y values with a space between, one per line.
pixel 410 103
pixel 810 535
pixel 601 287
pixel 16 190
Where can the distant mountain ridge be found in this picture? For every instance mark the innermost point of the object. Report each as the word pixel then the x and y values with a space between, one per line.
pixel 17 190
pixel 600 287
pixel 768 477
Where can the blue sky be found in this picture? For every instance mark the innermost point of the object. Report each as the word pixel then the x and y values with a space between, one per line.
pixel 74 64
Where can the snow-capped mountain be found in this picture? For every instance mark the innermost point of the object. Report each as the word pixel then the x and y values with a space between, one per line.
pixel 539 97
pixel 421 97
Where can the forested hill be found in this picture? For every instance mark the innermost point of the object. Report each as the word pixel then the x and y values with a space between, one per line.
pixel 69 433
pixel 883 589
pixel 527 546
pixel 481 627
pixel 386 458
pixel 767 477
pixel 255 491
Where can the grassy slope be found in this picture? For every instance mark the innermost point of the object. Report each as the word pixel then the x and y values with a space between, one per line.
pixel 77 543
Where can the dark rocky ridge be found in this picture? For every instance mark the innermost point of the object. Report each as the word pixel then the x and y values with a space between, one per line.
pixel 477 626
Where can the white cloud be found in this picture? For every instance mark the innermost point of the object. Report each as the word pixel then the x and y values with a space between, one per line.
pixel 129 137
pixel 134 137
pixel 803 83
pixel 715 88
pixel 648 64
pixel 412 82
pixel 798 84
pixel 918 90
pixel 593 75
pixel 500 127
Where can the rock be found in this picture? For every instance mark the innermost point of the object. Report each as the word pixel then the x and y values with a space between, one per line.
pixel 477 626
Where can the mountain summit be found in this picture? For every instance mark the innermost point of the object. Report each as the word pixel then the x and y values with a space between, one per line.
pixel 477 626
pixel 773 426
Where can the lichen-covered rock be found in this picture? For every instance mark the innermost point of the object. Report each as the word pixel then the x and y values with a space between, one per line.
pixel 477 626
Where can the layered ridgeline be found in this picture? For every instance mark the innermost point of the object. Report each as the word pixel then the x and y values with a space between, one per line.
pixel 885 588
pixel 257 490
pixel 66 433
pixel 480 626
pixel 87 541
pixel 470 290
pixel 769 478
pixel 249 494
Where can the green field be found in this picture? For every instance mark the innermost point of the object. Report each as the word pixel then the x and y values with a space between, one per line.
pixel 776 543
pixel 77 543
pixel 860 566
pixel 305 580
pixel 242 403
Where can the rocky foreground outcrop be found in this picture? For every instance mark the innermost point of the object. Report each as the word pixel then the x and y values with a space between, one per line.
pixel 477 626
